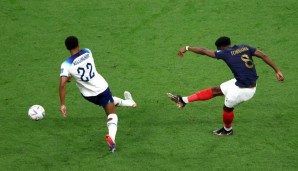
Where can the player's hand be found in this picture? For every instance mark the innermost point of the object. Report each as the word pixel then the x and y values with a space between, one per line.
pixel 280 76
pixel 63 110
pixel 181 52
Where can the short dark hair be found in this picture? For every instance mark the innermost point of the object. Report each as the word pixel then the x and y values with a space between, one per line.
pixel 71 42
pixel 223 41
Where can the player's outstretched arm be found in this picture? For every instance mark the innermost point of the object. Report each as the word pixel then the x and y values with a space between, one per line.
pixel 268 60
pixel 198 50
pixel 62 93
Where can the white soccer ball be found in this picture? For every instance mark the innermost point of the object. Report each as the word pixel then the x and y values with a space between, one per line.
pixel 36 112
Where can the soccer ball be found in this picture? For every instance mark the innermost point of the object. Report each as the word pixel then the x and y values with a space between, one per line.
pixel 36 112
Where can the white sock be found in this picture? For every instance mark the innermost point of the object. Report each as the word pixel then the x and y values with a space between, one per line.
pixel 112 125
pixel 117 101
pixel 185 99
pixel 121 102
pixel 227 129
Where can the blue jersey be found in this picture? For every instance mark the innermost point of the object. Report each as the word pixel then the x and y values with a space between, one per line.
pixel 239 59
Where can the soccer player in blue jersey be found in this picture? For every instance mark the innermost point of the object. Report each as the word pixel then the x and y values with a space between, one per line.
pixel 237 90
pixel 93 87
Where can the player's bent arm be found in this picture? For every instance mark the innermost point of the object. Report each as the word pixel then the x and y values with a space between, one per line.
pixel 202 51
pixel 268 60
pixel 62 93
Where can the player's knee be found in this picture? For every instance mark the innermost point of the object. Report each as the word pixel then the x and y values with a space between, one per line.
pixel 227 109
pixel 110 108
pixel 217 91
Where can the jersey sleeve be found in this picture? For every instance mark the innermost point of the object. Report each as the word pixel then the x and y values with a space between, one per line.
pixel 64 69
pixel 219 54
pixel 87 50
pixel 252 49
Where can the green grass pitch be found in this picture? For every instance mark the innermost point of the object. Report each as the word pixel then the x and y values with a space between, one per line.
pixel 135 45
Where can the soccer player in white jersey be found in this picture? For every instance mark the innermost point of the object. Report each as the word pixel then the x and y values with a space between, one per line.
pixel 93 87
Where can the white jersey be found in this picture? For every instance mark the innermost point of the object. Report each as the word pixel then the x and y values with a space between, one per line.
pixel 82 68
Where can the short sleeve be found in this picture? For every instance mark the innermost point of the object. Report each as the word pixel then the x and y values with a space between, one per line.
pixel 64 69
pixel 87 50
pixel 219 54
pixel 252 49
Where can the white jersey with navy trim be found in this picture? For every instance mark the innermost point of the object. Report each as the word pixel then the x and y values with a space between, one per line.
pixel 82 68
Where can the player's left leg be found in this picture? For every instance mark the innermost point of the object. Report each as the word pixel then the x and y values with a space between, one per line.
pixel 112 122
pixel 202 95
pixel 105 100
pixel 112 119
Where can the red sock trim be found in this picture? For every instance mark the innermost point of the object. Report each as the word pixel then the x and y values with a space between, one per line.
pixel 228 118
pixel 201 95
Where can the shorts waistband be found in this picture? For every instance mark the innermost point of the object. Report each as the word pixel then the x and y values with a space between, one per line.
pixel 251 86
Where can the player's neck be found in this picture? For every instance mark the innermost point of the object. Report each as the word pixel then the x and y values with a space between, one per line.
pixel 75 51
pixel 226 47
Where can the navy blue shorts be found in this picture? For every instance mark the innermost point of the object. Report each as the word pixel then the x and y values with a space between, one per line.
pixel 102 99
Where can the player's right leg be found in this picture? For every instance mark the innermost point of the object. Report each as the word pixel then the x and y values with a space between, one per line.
pixel 233 96
pixel 128 96
pixel 230 90
pixel 127 101
pixel 227 117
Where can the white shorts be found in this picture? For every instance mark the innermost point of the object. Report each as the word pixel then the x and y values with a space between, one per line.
pixel 234 94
